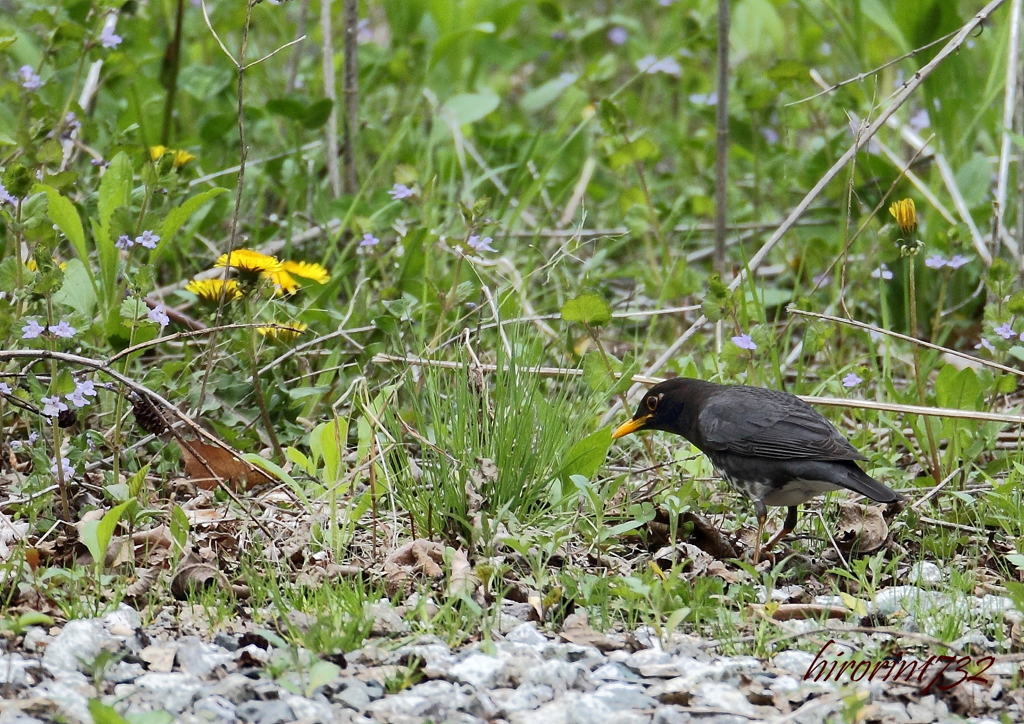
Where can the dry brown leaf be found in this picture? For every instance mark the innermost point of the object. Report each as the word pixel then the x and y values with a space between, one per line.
pixel 577 630
pixel 463 580
pixel 233 470
pixel 416 558
pixel 195 574
pixel 861 527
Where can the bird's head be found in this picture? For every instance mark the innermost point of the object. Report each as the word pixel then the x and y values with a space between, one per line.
pixel 664 407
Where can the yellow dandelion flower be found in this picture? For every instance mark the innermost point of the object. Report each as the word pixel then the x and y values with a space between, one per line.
pixel 249 261
pixel 157 152
pixel 285 333
pixel 905 214
pixel 284 281
pixel 306 270
pixel 209 290
pixel 182 157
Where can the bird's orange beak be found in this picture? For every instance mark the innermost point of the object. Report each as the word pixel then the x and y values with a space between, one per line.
pixel 637 423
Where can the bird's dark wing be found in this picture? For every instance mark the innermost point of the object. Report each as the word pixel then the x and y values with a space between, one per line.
pixel 770 424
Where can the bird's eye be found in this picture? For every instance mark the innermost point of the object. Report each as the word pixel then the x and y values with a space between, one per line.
pixel 652 403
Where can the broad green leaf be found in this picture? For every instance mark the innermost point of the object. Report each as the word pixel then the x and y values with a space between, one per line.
pixel 115 189
pixel 96 534
pixel 291 107
pixel 103 714
pixel 179 216
pixel 957 389
pixel 586 456
pixel 877 13
pixel 641 149
pixel 317 113
pixel 448 45
pixel 327 443
pixel 756 28
pixel 179 528
pixel 320 673
pixel 596 372
pixel 588 308
pixel 77 291
pixel 617 530
pixel 544 94
pixel 64 214
pixel 466 108
pixel 974 179
pixel 297 457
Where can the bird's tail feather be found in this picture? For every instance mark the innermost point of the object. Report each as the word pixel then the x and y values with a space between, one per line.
pixel 860 482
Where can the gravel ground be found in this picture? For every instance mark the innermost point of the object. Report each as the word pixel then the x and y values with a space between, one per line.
pixel 522 677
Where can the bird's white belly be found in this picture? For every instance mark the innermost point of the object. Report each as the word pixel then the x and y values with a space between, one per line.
pixel 798 491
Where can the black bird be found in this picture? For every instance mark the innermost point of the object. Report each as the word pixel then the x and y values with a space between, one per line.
pixel 770 446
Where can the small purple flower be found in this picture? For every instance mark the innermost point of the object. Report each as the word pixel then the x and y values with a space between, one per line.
pixel 851 380
pixel 158 315
pixel 66 469
pixel 400 192
pixel 1005 330
pixel 32 330
pixel 935 261
pixel 919 121
pixel 743 341
pixel 99 162
pixel 882 272
pixel 32 437
pixel 986 344
pixel 77 399
pixel 650 64
pixel 5 196
pixel 364 33
pixel 957 261
pixel 30 80
pixel 666 3
pixel 369 240
pixel 618 35
pixel 63 330
pixel 17 444
pixel 477 244
pixel 108 38
pixel 52 406
pixel 71 121
pixel 704 99
pixel 5 388
pixel 87 388
pixel 124 242
pixel 148 239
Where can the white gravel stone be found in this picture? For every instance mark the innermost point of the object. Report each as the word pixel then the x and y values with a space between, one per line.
pixel 526 633
pixel 479 670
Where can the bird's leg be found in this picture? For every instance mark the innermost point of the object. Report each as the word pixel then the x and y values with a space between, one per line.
pixel 762 516
pixel 787 527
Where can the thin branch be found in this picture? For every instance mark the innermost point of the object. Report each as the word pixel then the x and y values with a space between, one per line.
pixel 1009 106
pixel 272 53
pixel 331 129
pixel 913 340
pixel 867 74
pixel 722 137
pixel 351 91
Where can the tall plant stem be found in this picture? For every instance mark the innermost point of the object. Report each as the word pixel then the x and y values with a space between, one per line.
pixel 933 450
